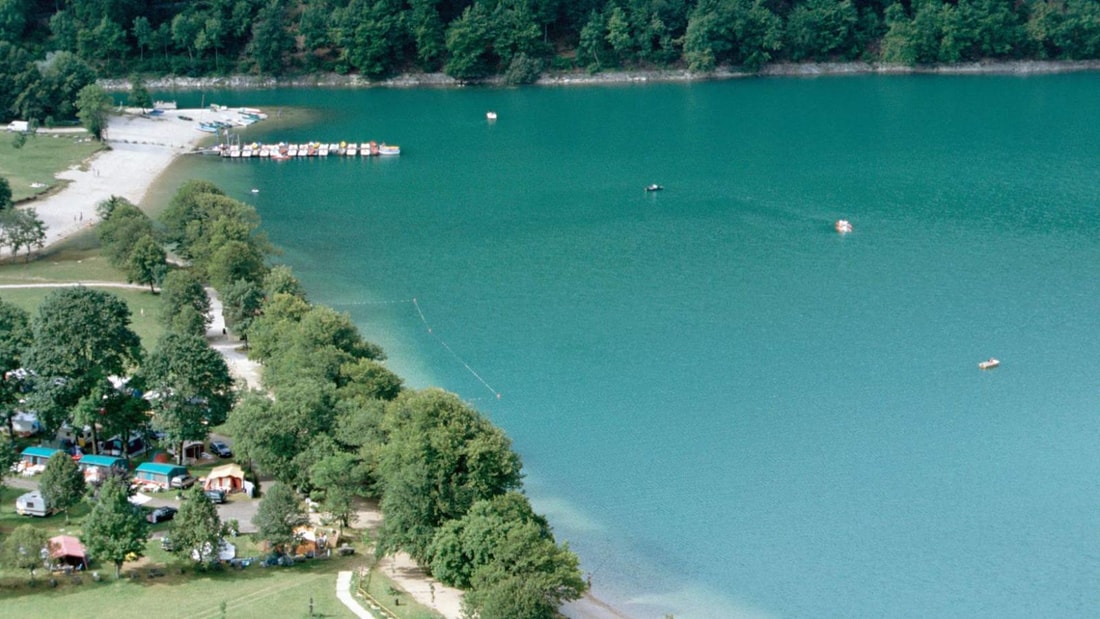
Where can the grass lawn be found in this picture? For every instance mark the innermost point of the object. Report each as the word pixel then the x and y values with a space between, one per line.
pixel 39 159
pixel 263 593
pixel 85 266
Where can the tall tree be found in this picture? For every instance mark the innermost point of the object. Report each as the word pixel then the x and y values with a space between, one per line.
pixel 338 480
pixel 197 530
pixel 92 106
pixel 442 457
pixel 62 484
pixel 116 528
pixel 15 337
pixel 82 337
pixel 21 229
pixel 279 513
pixel 194 390
pixel 185 306
pixel 5 194
pixel 276 435
pixel 147 263
pixel 139 94
pixel 121 225
pixel 27 548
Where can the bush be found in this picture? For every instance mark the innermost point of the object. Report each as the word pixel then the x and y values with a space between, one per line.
pixel 523 70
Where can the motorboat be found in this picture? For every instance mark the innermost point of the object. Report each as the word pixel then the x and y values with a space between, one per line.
pixel 491 115
pixel 843 226
pixel 653 187
pixel 989 364
pixel 388 149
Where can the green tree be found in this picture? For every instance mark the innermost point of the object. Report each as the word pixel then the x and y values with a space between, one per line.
pixel 5 193
pixel 818 28
pixel 276 434
pixel 116 528
pixel 241 304
pixel 469 43
pixel 197 530
pixel 338 480
pixel 114 411
pixel 426 29
pixel 441 458
pixel 139 94
pixel 82 337
pixel 92 106
pixel 15 337
pixel 185 306
pixel 143 33
pixel 9 455
pixel 147 263
pixel 62 484
pixel 21 229
pixel 27 548
pixel 121 225
pixel 270 40
pixel 233 261
pixel 279 513
pixel 194 389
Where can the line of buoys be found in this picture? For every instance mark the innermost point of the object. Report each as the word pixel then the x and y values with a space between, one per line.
pixel 453 353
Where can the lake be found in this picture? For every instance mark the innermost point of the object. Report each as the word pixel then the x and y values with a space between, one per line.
pixel 725 407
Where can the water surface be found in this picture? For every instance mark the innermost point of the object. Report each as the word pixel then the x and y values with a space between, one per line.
pixel 725 407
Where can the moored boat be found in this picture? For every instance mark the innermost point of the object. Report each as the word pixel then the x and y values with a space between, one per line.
pixel 843 226
pixel 653 187
pixel 388 149
pixel 989 364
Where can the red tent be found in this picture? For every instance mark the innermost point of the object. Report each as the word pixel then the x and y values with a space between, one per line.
pixel 67 550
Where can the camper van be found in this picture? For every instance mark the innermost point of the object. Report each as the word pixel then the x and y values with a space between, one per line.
pixel 21 126
pixel 32 504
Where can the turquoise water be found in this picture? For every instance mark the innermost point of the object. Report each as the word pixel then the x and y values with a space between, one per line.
pixel 725 407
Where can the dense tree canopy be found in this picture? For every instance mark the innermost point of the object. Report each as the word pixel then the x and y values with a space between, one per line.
pixel 82 337
pixel 190 387
pixel 50 51
pixel 15 337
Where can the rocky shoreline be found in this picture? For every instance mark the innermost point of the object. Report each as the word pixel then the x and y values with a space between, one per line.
pixel 440 80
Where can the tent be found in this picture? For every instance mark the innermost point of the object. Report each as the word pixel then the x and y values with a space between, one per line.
pixel 66 550
pixel 228 477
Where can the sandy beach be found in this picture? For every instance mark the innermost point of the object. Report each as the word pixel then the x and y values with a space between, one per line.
pixel 141 147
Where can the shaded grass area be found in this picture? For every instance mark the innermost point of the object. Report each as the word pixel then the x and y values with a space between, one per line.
pixel 40 158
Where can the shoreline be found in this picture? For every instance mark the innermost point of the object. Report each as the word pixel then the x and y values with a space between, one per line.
pixel 139 149
pixel 440 80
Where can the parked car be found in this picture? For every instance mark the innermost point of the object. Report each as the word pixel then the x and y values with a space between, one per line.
pixel 183 481
pixel 220 449
pixel 215 495
pixel 161 514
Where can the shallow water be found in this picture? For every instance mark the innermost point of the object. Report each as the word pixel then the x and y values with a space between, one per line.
pixel 724 406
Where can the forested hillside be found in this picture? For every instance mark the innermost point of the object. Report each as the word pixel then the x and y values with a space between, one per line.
pixel 50 48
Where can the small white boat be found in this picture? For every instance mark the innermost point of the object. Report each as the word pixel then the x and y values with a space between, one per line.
pixel 254 190
pixel 989 364
pixel 653 187
pixel 387 149
pixel 491 115
pixel 843 226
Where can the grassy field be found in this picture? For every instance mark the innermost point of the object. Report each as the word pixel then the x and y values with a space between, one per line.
pixel 83 266
pixel 263 593
pixel 39 159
